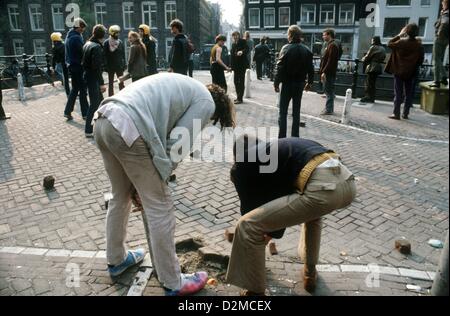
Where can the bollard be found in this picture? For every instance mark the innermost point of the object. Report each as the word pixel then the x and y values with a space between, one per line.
pixel 440 285
pixel 346 114
pixel 20 87
pixel 248 80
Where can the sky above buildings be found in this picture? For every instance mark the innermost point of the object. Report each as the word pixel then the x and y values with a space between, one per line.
pixel 231 10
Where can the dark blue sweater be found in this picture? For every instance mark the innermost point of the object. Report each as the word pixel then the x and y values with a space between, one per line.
pixel 74 49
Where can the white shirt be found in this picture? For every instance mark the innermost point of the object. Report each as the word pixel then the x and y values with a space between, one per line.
pixel 121 122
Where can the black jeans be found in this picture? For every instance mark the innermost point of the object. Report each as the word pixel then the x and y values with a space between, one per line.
pixel 95 98
pixel 218 76
pixel 78 87
pixel 404 93
pixel 371 86
pixel 181 71
pixel 239 83
pixel 111 75
pixel 259 69
pixel 2 112
pixel 290 91
pixel 191 68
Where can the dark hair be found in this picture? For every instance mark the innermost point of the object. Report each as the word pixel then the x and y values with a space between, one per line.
pixel 244 142
pixel 98 32
pixel 224 107
pixel 177 24
pixel 412 30
pixel 221 37
pixel 331 32
pixel 377 40
pixel 236 33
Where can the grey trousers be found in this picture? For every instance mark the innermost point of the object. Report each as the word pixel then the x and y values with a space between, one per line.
pixel 328 190
pixel 128 167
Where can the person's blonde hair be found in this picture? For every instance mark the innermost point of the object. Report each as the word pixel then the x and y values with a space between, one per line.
pixel 295 33
pixel 136 40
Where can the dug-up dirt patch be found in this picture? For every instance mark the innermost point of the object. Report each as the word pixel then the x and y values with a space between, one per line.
pixel 194 256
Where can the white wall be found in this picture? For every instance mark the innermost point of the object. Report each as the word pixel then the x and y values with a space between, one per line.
pixel 414 12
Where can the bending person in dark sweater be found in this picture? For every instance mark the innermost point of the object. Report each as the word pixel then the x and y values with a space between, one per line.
pixel 309 182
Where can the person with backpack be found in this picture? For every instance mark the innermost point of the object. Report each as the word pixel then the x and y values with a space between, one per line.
pixel 150 44
pixel 59 60
pixel 328 68
pixel 114 50
pixel 179 56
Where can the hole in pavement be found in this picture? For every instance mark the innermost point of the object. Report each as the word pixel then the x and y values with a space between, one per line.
pixel 194 256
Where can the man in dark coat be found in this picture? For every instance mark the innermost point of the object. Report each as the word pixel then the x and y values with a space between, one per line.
pixel 239 64
pixel 114 51
pixel 179 57
pixel 262 52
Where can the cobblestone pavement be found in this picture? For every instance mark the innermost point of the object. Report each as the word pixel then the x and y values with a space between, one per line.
pixel 402 183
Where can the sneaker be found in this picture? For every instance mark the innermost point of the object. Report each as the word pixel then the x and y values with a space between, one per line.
pixel 89 135
pixel 133 258
pixel 68 117
pixel 190 284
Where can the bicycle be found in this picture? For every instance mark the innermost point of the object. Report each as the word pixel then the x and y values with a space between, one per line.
pixel 29 70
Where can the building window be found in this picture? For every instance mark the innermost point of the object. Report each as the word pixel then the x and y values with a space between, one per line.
pixel 149 13
pixel 39 49
pixel 308 14
pixel 423 26
pixel 14 17
pixel 36 20
pixel 425 3
pixel 171 12
pixel 100 13
pixel 284 17
pixel 58 17
pixel 347 44
pixel 269 17
pixel 18 47
pixel 128 12
pixel 253 1
pixel 347 14
pixel 393 26
pixel 327 13
pixel 253 18
pixel 393 3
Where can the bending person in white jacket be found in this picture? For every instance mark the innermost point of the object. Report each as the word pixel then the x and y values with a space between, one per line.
pixel 133 134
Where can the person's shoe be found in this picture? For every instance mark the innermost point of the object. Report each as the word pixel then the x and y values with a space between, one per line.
pixel 134 257
pixel 405 116
pixel 190 284
pixel 310 280
pixel 238 102
pixel 89 135
pixel 445 82
pixel 84 118
pixel 394 117
pixel 367 100
pixel 325 112
pixel 68 117
pixel 247 293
